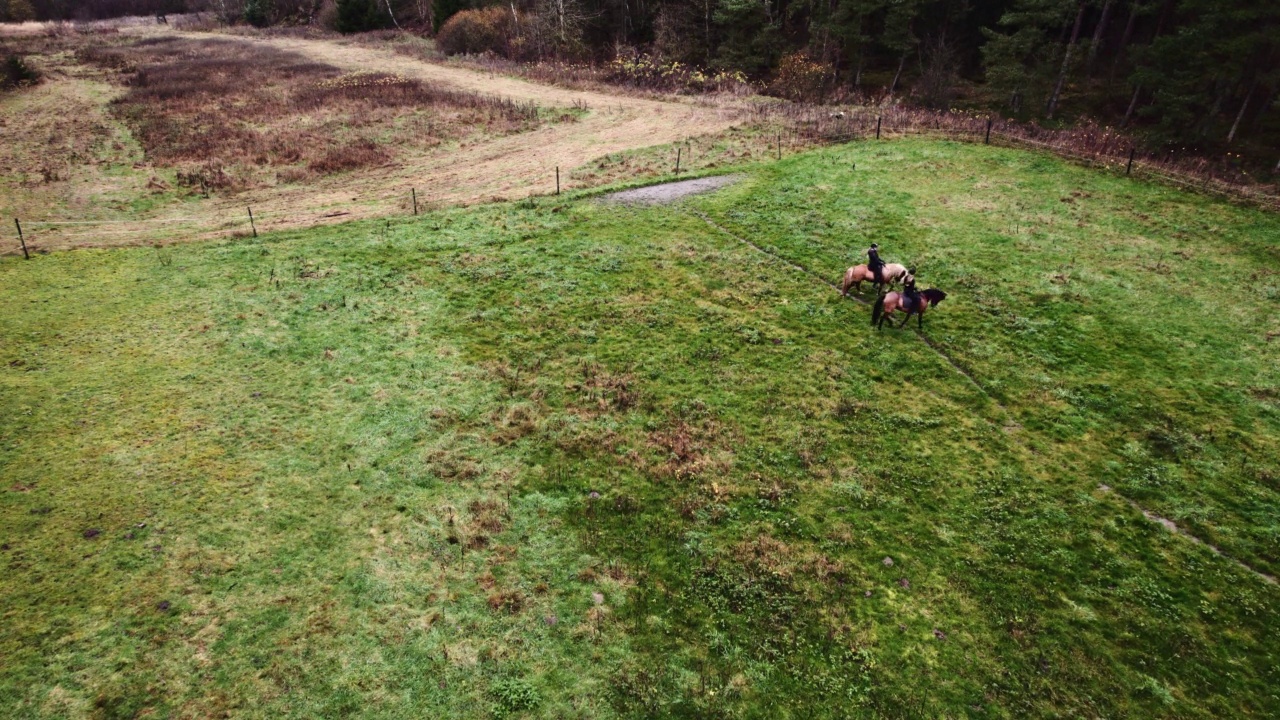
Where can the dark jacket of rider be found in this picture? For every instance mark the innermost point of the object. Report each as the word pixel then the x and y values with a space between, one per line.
pixel 874 263
pixel 909 289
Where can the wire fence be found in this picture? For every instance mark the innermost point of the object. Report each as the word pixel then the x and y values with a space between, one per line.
pixel 806 126
pixel 224 220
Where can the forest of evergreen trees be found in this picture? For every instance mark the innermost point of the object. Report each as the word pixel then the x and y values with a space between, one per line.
pixel 1198 73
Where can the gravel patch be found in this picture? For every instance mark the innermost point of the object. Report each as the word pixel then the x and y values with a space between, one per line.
pixel 672 191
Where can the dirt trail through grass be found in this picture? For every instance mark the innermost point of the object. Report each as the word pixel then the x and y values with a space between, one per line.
pixel 497 168
pixel 527 162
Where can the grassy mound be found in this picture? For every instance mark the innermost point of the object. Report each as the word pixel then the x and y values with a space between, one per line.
pixel 587 460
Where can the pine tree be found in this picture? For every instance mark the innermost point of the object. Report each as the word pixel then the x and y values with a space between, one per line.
pixel 899 34
pixel 445 9
pixel 20 11
pixel 258 12
pixel 1205 77
pixel 751 35
pixel 1030 59
pixel 360 15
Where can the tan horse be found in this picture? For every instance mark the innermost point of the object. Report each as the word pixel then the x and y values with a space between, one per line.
pixel 856 275
pixel 889 302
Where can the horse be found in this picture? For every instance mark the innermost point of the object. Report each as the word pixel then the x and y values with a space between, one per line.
pixel 856 275
pixel 887 303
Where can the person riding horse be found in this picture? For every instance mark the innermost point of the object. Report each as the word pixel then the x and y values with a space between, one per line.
pixel 874 263
pixel 910 295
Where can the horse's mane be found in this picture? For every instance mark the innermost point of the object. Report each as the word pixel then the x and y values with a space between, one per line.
pixel 934 296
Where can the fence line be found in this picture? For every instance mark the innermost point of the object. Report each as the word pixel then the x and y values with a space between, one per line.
pixel 823 125
pixel 818 125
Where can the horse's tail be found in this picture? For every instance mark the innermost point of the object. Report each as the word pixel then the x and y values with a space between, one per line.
pixel 877 310
pixel 848 280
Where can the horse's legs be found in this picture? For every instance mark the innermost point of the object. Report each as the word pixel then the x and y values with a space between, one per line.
pixel 905 319
pixel 920 320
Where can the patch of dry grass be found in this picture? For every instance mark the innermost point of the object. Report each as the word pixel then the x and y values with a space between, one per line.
pixel 450 154
pixel 236 114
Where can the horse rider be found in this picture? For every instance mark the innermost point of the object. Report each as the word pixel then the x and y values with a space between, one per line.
pixel 910 295
pixel 874 263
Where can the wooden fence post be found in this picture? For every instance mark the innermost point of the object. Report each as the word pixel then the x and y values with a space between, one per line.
pixel 557 179
pixel 21 239
pixel 251 225
pixel 415 199
pixel 988 140
pixel 1128 169
pixel 679 151
pixel 877 128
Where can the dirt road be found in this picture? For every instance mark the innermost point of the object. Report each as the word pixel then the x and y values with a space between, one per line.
pixel 508 167
pixel 515 165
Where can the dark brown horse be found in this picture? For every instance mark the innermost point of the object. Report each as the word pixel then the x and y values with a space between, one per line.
pixel 887 303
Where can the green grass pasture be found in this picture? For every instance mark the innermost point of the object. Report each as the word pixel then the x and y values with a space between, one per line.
pixel 571 459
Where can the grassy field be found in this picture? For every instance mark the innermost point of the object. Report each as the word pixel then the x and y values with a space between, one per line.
pixel 572 459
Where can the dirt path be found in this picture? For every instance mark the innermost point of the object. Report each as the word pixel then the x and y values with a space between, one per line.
pixel 508 167
pixel 516 165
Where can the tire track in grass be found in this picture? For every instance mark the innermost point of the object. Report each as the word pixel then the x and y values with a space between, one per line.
pixel 1166 523
pixel 1174 528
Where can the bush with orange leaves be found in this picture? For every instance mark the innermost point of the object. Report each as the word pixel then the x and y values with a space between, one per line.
pixel 474 32
pixel 800 79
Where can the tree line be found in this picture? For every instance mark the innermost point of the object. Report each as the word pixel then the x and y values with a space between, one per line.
pixel 1202 73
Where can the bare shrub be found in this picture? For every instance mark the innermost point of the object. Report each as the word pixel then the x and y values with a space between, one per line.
pixel 472 32
pixel 801 79
pixel 16 73
pixel 937 86
pixel 648 71
pixel 209 175
pixel 354 155
pixel 293 175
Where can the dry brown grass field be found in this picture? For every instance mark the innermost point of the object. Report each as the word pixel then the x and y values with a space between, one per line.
pixel 231 113
pixel 143 135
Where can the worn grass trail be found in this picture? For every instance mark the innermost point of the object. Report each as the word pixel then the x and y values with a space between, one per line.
pixel 573 459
